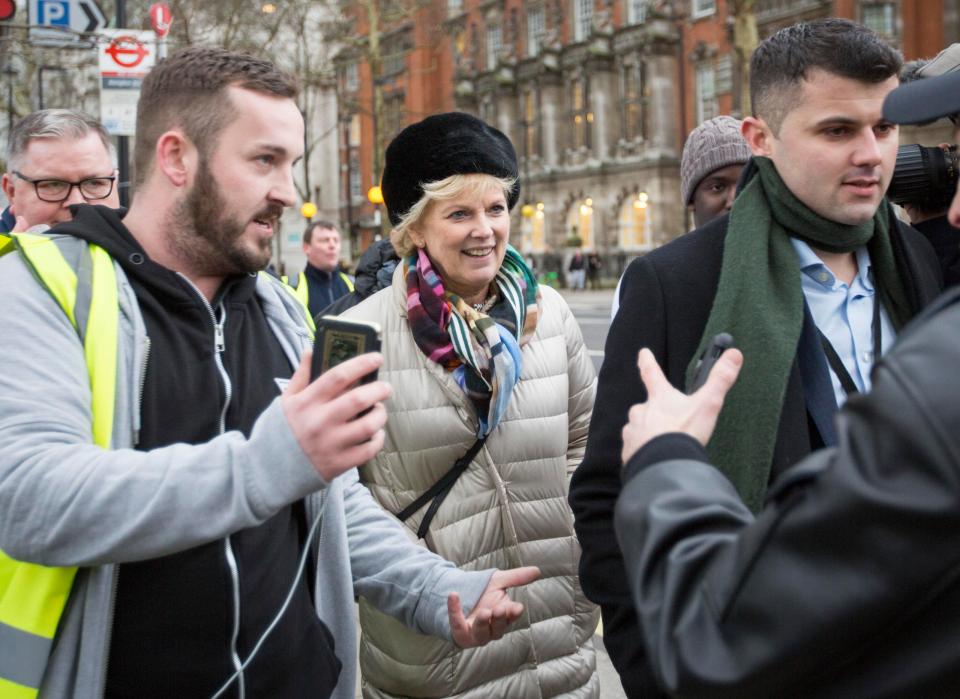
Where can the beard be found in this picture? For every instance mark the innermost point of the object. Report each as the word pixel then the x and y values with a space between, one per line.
pixel 208 238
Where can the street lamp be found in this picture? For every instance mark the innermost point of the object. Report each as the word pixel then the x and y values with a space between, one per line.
pixel 375 197
pixel 308 210
pixel 11 73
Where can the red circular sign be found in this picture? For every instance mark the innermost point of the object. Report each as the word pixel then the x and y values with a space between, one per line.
pixel 160 18
pixel 126 51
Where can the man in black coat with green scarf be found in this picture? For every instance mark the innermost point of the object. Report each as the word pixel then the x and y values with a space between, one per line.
pixel 811 273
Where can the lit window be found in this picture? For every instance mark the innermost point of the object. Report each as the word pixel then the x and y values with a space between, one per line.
pixel 529 110
pixel 580 222
pixel 454 7
pixel 536 28
pixel 707 107
pixel 494 44
pixel 581 118
pixel 635 214
pixel 632 101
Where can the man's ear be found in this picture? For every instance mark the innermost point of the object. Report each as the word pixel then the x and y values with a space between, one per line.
pixel 758 135
pixel 176 157
pixel 8 189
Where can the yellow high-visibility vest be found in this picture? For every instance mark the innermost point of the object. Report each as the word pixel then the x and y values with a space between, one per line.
pixel 298 282
pixel 33 597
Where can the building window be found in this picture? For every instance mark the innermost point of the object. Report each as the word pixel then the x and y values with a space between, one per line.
pixel 394 57
pixel 706 93
pixel 532 229
pixel 702 8
pixel 538 237
pixel 536 29
pixel 354 134
pixel 635 223
pixel 581 118
pixel 355 186
pixel 582 19
pixel 881 17
pixel 488 109
pixel 454 8
pixel 636 11
pixel 580 222
pixel 351 77
pixel 529 112
pixel 632 102
pixel 393 116
pixel 494 44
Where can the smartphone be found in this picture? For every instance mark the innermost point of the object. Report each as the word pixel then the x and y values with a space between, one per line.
pixel 339 339
pixel 710 355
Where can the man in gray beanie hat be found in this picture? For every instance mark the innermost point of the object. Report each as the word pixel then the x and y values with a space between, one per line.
pixel 713 157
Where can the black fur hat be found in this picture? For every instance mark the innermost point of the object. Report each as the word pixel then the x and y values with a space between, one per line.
pixel 442 145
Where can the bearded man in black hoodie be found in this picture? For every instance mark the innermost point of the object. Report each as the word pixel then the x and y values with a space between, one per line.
pixel 173 517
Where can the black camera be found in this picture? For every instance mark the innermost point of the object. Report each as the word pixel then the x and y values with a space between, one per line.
pixel 925 177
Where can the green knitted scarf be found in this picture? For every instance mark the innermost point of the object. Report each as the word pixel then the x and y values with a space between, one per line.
pixel 760 302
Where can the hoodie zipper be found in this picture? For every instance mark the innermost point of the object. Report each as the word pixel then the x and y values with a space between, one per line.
pixel 219 345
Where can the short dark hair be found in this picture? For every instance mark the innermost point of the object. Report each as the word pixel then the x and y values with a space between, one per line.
pixel 837 46
pixel 326 225
pixel 188 90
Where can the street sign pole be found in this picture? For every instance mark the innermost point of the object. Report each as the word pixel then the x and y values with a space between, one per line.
pixel 123 142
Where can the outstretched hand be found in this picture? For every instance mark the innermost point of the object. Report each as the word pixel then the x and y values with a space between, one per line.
pixel 669 410
pixel 494 611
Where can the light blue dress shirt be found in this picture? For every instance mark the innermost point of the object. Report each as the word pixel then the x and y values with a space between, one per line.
pixel 844 314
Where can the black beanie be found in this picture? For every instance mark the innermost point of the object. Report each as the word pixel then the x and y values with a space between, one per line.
pixel 442 145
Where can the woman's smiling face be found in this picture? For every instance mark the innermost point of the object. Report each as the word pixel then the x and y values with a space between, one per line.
pixel 466 237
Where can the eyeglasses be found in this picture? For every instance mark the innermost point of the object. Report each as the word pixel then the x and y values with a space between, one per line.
pixel 56 191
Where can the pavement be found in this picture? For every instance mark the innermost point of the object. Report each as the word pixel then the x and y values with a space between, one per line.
pixel 591 308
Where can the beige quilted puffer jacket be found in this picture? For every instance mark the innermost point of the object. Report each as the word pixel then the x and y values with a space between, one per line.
pixel 508 509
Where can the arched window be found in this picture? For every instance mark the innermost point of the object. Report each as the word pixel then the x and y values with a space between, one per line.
pixel 635 220
pixel 580 222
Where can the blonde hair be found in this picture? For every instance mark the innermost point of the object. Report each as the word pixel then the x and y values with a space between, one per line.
pixel 473 184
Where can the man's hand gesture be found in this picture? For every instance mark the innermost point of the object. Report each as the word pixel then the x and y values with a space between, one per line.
pixel 669 410
pixel 494 611
pixel 323 414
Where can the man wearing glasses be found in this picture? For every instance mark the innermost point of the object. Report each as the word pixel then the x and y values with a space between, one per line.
pixel 56 158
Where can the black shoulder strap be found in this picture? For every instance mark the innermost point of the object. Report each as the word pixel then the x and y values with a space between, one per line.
pixel 439 490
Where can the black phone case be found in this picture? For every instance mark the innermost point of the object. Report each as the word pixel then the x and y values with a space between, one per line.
pixel 338 339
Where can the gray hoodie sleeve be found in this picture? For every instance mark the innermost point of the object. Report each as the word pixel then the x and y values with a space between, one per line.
pixel 397 575
pixel 67 502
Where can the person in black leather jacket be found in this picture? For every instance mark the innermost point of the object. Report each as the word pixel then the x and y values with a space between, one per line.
pixel 847 583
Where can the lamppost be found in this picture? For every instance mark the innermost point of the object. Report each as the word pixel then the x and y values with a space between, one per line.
pixel 40 70
pixel 375 197
pixel 11 73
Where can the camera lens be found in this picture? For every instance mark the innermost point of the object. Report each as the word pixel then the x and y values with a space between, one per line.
pixel 925 177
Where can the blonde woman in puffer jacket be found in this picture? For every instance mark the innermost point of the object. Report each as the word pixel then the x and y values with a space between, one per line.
pixel 491 370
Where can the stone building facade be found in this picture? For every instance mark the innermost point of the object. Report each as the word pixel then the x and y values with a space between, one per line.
pixel 596 95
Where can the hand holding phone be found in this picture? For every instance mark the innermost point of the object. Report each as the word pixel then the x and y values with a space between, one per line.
pixel 338 419
pixel 339 339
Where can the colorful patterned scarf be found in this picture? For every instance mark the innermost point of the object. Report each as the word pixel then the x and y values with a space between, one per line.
pixel 482 350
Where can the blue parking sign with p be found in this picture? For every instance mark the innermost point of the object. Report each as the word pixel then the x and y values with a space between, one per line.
pixel 53 13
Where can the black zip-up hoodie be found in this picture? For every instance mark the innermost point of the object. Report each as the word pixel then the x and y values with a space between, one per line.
pixel 184 622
